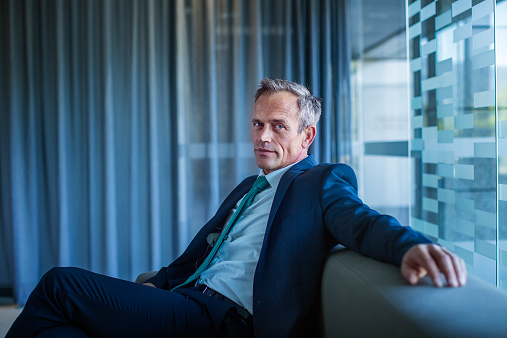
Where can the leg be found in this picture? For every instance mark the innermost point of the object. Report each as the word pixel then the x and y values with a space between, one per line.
pixel 63 331
pixel 107 307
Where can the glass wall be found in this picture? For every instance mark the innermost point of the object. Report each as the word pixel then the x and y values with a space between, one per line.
pixel 430 121
pixel 453 130
pixel 380 104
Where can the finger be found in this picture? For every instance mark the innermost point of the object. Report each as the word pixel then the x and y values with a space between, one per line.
pixel 416 264
pixel 445 265
pixel 413 275
pixel 429 263
pixel 463 277
pixel 456 264
pixel 459 267
pixel 451 265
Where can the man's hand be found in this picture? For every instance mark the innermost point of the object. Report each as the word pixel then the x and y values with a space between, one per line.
pixel 432 259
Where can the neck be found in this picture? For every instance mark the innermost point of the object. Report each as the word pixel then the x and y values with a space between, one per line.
pixel 299 159
pixel 302 155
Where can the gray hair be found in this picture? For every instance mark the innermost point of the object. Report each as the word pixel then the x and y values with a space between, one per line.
pixel 310 107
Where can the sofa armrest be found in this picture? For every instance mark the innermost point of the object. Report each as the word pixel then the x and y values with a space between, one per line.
pixel 145 276
pixel 362 297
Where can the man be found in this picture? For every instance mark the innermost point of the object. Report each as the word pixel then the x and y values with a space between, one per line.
pixel 263 275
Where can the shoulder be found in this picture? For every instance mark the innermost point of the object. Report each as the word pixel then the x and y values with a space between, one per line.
pixel 335 173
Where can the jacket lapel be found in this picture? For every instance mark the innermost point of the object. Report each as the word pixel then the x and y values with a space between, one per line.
pixel 284 184
pixel 230 202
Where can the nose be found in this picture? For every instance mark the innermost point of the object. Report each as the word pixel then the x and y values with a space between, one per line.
pixel 265 134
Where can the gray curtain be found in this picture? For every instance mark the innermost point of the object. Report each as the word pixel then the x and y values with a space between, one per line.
pixel 124 123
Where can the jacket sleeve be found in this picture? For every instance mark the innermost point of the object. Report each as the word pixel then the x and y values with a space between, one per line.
pixel 160 279
pixel 356 226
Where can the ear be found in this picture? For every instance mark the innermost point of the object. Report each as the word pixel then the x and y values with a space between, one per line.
pixel 309 136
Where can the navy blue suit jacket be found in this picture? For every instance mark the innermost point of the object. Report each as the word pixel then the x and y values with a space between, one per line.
pixel 315 208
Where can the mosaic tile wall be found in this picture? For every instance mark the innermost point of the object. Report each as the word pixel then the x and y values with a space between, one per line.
pixel 454 144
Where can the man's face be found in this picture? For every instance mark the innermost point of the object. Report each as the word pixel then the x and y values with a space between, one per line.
pixel 275 136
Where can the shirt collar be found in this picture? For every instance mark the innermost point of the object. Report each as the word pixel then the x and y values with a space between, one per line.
pixel 274 177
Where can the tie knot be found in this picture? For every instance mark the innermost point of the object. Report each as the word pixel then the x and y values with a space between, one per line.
pixel 261 183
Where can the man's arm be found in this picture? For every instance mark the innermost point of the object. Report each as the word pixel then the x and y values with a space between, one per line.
pixel 359 228
pixel 432 260
pixel 159 280
pixel 381 237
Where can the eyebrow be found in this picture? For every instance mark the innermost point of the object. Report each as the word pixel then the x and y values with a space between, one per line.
pixel 283 121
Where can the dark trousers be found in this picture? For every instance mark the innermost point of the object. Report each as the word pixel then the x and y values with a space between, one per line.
pixel 71 302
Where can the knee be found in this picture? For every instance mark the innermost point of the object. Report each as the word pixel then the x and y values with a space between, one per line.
pixel 57 272
pixel 58 281
pixel 57 275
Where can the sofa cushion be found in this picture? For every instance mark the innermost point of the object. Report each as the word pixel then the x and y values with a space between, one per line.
pixel 362 297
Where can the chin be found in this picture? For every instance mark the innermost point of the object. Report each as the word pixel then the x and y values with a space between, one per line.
pixel 265 166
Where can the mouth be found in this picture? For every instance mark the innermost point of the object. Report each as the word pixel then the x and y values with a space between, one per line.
pixel 263 151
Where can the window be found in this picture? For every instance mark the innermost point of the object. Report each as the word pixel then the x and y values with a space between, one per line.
pixel 432 75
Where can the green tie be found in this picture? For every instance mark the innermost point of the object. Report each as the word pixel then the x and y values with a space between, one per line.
pixel 260 184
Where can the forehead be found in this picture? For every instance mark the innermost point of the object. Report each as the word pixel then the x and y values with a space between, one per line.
pixel 276 105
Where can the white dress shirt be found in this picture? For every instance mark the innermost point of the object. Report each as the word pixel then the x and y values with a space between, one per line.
pixel 231 272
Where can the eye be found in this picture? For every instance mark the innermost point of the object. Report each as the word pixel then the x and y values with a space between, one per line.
pixel 279 126
pixel 257 124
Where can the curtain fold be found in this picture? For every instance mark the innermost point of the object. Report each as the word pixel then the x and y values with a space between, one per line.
pixel 125 123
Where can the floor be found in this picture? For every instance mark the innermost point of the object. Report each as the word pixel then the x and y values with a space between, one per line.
pixel 8 313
